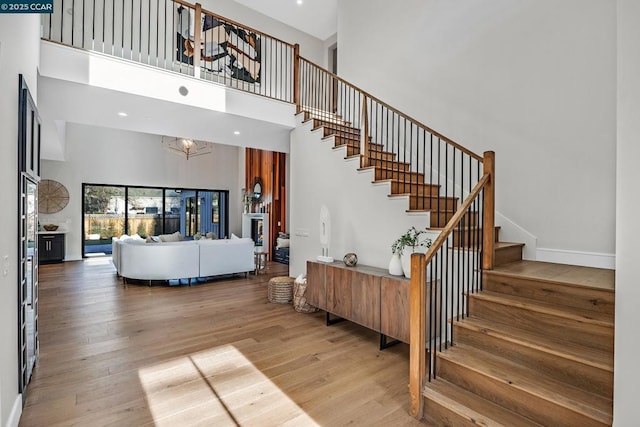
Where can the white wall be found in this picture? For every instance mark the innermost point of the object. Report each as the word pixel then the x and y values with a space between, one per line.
pixel 364 219
pixel 627 344
pixel 108 156
pixel 533 80
pixel 19 52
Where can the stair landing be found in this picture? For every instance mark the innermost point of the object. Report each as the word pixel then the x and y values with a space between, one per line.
pixel 561 273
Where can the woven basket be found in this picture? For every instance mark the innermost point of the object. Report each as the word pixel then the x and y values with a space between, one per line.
pixel 280 290
pixel 300 303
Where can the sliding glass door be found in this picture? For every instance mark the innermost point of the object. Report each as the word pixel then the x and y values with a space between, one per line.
pixel 104 217
pixel 111 211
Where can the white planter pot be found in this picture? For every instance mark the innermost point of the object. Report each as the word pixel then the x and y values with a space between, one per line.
pixel 406 262
pixel 395 265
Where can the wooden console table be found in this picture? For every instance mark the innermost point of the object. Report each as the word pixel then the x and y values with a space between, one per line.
pixel 365 295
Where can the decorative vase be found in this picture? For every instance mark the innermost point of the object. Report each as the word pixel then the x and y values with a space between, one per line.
pixel 395 265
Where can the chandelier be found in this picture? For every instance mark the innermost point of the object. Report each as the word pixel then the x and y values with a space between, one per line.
pixel 186 146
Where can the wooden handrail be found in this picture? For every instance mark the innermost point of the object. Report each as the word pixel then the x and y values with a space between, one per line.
pixel 401 114
pixel 456 218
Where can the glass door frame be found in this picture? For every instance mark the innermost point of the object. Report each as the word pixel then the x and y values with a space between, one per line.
pixel 29 140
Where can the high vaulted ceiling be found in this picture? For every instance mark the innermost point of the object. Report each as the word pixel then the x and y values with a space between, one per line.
pixel 315 17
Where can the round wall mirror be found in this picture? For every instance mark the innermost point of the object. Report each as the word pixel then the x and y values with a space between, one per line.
pixel 257 190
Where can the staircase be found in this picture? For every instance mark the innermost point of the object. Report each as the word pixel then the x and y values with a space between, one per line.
pixel 537 346
pixel 423 197
pixel 537 349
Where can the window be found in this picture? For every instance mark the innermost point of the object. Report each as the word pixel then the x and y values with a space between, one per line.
pixel 111 211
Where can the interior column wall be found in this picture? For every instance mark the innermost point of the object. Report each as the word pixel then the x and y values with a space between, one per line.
pixel 627 345
pixel 19 54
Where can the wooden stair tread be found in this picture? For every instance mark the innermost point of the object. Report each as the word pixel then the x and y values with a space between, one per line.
pixel 471 407
pixel 572 313
pixel 597 278
pixel 504 245
pixel 575 352
pixel 531 382
pixel 427 197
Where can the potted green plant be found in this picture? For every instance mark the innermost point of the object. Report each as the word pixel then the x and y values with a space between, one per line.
pixel 407 244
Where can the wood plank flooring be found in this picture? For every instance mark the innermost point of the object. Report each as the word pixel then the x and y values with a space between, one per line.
pixel 216 353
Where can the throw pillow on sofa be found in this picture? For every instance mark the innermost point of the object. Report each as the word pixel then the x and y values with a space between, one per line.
pixel 175 237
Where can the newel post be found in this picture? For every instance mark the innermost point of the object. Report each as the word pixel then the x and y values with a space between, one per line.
pixel 417 329
pixel 296 77
pixel 364 137
pixel 488 226
pixel 197 40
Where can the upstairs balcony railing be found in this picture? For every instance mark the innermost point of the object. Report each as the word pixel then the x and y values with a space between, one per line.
pixel 435 173
pixel 177 36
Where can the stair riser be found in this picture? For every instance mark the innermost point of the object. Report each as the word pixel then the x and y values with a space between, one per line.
pixel 436 204
pixel 444 216
pixel 509 254
pixel 560 328
pixel 399 175
pixel 468 238
pixel 338 126
pixel 386 164
pixel 342 139
pixel 345 133
pixel 398 187
pixel 589 378
pixel 373 153
pixel 574 296
pixel 439 415
pixel 510 396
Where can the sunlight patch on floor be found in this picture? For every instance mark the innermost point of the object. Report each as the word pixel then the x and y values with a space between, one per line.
pixel 218 387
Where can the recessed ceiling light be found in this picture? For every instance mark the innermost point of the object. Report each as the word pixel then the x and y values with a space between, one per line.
pixel 122 114
pixel 299 1
pixel 236 133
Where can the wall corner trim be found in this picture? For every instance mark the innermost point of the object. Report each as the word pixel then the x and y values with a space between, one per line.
pixel 585 259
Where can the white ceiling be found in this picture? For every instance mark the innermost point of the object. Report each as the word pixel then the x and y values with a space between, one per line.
pixel 315 17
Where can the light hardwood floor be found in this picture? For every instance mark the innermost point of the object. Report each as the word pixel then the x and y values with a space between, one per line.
pixel 214 354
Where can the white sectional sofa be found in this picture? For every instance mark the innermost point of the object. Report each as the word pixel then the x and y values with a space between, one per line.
pixel 136 259
pixel 225 256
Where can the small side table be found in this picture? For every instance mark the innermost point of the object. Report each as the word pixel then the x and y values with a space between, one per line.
pixel 260 260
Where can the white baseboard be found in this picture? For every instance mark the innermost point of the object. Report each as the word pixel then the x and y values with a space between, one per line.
pixel 586 259
pixel 16 412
